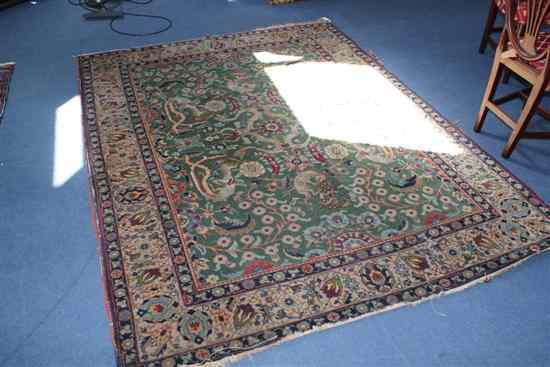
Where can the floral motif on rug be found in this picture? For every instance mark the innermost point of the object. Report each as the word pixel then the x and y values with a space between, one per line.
pixel 253 187
pixel 6 70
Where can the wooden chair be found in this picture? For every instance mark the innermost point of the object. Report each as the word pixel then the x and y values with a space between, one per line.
pixel 524 52
pixel 496 6
pixel 490 27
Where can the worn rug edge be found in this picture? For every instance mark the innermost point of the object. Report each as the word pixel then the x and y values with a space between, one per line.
pixel 4 103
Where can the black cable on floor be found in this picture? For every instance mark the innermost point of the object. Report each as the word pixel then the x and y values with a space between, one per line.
pixel 140 2
pixel 167 27
pixel 82 4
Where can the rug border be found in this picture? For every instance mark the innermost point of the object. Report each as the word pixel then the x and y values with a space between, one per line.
pixel 98 224
pixel 483 280
pixel 321 20
pixel 4 103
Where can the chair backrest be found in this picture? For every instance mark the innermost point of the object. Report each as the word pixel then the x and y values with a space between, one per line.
pixel 523 37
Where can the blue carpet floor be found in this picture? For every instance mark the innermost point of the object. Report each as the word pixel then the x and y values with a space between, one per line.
pixel 51 300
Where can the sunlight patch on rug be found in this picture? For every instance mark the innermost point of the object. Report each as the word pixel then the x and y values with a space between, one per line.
pixel 356 104
pixel 267 57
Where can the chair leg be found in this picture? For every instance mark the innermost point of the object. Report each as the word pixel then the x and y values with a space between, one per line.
pixel 489 25
pixel 506 76
pixel 492 84
pixel 526 114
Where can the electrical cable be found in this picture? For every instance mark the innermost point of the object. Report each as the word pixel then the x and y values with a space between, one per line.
pixel 164 29
pixel 140 2
pixel 103 6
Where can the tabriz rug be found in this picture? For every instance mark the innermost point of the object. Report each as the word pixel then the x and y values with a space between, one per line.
pixel 229 219
pixel 6 70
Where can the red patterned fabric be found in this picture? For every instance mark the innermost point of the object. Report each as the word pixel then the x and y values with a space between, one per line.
pixel 521 12
pixel 543 43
